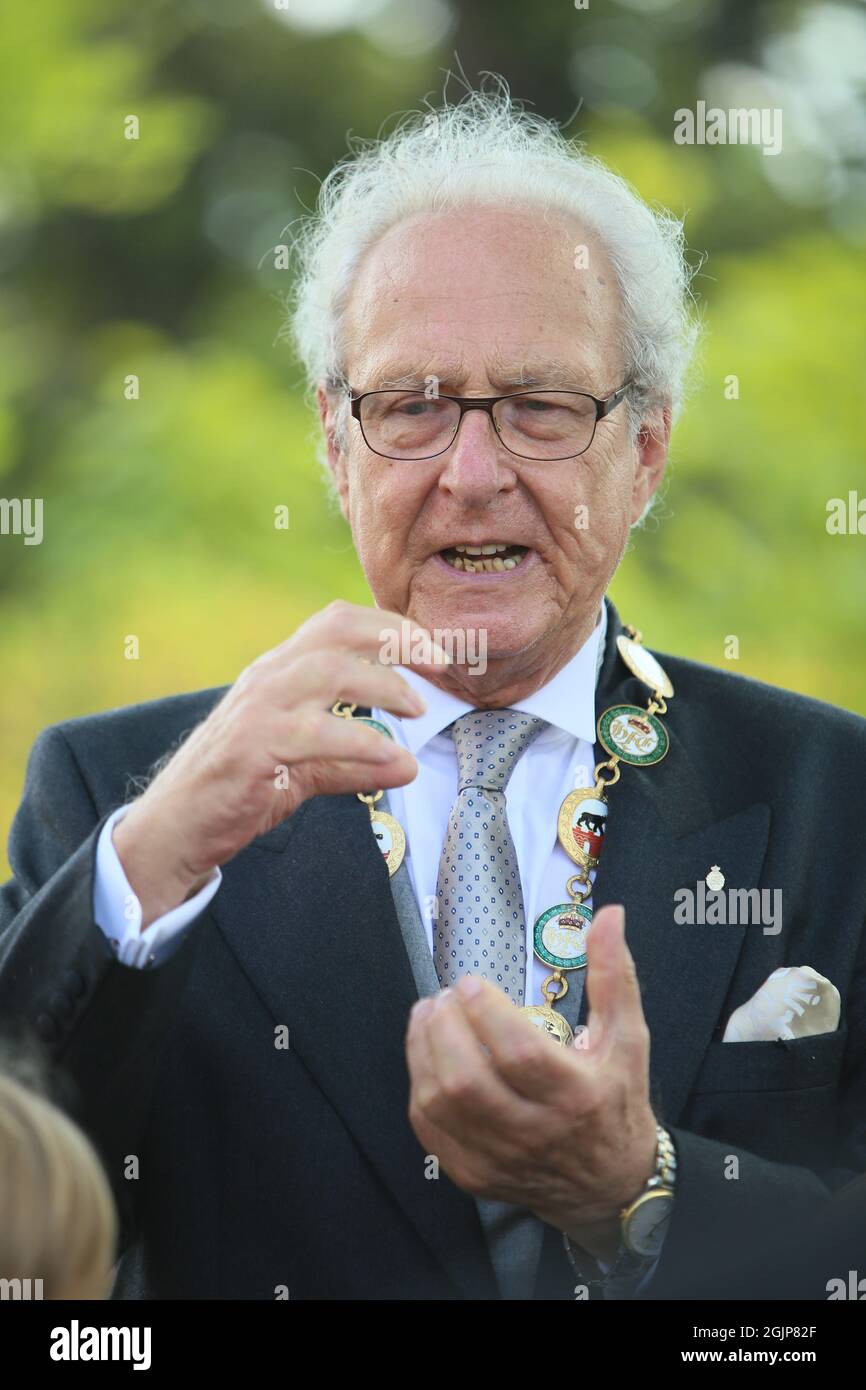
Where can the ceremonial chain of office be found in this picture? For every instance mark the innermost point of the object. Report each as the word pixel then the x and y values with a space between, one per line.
pixel 629 734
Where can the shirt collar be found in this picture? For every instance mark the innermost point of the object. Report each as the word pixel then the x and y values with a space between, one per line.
pixel 566 702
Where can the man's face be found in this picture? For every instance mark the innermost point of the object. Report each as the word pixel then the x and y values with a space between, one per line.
pixel 489 301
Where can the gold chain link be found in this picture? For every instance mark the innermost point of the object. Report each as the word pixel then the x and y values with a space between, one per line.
pixel 547 992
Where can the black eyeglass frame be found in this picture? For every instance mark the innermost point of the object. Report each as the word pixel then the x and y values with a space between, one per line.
pixel 487 404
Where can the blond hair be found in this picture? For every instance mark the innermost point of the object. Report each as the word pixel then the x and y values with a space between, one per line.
pixel 58 1225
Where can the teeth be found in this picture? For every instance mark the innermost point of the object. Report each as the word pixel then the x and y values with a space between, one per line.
pixel 494 566
pixel 490 548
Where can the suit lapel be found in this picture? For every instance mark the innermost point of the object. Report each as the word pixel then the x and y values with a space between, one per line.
pixel 663 835
pixel 308 912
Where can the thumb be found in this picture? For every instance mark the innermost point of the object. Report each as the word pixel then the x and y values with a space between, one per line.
pixel 613 992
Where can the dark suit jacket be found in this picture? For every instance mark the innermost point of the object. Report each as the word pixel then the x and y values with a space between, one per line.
pixel 262 1167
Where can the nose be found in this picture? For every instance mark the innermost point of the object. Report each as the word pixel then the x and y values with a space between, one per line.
pixel 477 466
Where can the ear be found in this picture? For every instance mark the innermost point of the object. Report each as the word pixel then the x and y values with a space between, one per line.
pixel 651 456
pixel 327 402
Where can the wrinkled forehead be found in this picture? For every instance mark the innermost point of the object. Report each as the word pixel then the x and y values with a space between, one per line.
pixel 484 297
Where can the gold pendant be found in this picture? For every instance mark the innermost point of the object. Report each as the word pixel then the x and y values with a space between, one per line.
pixel 390 838
pixel 549 1022
pixel 581 825
pixel 643 664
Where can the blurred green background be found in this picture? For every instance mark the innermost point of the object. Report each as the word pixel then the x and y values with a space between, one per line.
pixel 154 257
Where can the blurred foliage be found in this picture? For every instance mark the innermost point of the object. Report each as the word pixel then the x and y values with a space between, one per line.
pixel 151 256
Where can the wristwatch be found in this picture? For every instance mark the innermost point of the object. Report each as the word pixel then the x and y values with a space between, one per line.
pixel 643 1223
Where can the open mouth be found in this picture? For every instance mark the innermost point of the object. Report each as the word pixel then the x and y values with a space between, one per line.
pixel 492 556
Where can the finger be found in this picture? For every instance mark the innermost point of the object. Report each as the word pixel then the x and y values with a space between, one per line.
pixel 472 1101
pixel 329 778
pixel 530 1064
pixel 312 735
pixel 613 992
pixel 419 1057
pixel 360 629
pixel 436 1143
pixel 424 1044
pixel 333 674
pixel 424 1080
pixel 453 1083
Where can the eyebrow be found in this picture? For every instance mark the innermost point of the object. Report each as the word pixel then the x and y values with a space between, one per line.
pixel 550 372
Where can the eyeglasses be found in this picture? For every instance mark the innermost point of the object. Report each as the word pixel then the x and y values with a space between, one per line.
pixel 540 425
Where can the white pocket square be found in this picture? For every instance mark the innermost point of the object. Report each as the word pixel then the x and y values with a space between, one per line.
pixel 794 1002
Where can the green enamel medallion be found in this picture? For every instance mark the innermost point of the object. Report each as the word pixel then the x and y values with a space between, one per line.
pixel 633 735
pixel 560 936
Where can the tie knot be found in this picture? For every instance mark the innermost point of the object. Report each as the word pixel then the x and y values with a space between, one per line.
pixel 489 743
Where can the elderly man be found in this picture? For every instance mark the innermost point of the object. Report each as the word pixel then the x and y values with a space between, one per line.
pixel 327 988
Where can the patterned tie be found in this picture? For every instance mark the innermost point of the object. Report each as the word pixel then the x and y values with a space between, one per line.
pixel 481 927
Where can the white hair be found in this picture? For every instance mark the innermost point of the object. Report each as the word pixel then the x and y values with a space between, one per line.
pixel 487 149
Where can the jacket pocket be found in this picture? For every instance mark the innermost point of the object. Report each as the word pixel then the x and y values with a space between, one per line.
pixel 794 1065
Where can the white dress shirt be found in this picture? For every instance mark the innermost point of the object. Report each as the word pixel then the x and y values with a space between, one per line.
pixel 555 763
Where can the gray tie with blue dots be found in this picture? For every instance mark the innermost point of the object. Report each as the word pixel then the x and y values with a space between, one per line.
pixel 480 928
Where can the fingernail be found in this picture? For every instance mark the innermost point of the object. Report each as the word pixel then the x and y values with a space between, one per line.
pixel 416 702
pixel 469 987
pixel 421 1010
pixel 444 997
